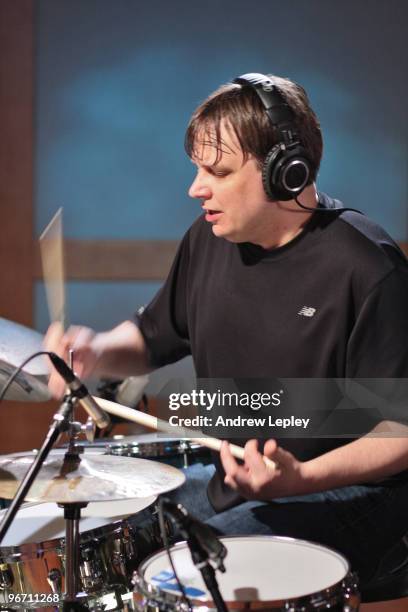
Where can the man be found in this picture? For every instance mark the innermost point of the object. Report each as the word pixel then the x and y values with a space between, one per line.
pixel 276 281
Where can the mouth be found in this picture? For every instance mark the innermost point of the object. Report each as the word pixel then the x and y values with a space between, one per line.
pixel 212 215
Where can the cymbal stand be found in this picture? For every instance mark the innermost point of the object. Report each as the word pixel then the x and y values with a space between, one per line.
pixel 72 515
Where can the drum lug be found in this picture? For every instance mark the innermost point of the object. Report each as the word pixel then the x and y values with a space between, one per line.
pixel 54 579
pixel 136 580
pixel 126 544
pixel 139 598
pixel 90 570
pixel 6 576
pixel 351 593
pixel 129 549
pixel 183 450
pixel 118 561
pixel 122 550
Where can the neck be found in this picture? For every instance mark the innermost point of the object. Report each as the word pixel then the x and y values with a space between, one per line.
pixel 287 219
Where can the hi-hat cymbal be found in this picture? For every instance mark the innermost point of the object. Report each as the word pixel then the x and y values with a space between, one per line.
pixel 94 477
pixel 16 344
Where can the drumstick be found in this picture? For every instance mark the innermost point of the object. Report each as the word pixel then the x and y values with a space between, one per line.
pixel 52 259
pixel 196 435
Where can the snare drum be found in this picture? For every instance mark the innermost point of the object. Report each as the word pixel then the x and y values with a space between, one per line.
pixel 180 452
pixel 115 536
pixel 262 573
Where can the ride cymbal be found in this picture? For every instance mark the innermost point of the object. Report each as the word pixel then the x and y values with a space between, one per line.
pixel 89 478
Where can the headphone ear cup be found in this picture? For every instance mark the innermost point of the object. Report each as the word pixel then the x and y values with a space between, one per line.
pixel 270 173
pixel 285 172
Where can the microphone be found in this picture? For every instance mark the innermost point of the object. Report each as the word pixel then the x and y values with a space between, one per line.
pixel 191 528
pixel 80 391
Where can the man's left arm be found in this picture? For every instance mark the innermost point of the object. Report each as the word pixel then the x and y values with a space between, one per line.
pixel 376 456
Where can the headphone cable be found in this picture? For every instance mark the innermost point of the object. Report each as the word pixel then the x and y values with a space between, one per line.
pixel 321 209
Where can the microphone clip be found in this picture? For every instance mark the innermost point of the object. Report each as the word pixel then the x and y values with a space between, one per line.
pixel 203 542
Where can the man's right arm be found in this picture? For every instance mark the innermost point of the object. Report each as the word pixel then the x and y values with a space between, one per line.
pixel 117 353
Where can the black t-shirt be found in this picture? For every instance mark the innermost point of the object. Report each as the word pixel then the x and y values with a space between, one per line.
pixel 331 304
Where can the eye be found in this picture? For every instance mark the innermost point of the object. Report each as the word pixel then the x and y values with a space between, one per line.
pixel 220 173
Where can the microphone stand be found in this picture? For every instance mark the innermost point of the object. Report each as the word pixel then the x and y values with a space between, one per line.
pixel 59 424
pixel 200 559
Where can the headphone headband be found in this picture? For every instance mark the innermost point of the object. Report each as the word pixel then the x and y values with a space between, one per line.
pixel 286 170
pixel 274 103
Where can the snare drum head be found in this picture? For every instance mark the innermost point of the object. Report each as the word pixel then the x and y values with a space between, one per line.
pixel 35 523
pixel 258 568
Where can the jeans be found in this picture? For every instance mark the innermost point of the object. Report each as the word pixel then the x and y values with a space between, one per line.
pixel 363 522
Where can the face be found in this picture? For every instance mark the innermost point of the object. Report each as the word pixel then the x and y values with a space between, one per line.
pixel 230 190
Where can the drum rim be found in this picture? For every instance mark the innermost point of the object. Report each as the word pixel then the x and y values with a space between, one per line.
pixel 178 446
pixel 26 550
pixel 147 589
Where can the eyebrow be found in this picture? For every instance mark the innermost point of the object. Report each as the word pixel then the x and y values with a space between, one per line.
pixel 216 165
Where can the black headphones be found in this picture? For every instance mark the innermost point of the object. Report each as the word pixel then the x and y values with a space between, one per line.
pixel 286 170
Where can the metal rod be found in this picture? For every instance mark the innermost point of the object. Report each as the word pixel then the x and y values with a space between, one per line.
pixel 72 515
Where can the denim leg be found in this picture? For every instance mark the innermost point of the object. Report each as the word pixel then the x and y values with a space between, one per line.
pixel 361 522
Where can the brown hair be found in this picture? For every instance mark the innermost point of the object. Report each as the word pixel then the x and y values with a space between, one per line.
pixel 245 114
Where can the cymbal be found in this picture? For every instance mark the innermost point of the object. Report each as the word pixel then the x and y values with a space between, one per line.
pixel 95 477
pixel 16 344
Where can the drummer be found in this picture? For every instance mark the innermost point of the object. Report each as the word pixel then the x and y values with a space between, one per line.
pixel 276 280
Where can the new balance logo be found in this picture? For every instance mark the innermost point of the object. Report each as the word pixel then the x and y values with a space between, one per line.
pixel 307 311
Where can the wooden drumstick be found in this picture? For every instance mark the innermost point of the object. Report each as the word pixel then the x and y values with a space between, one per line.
pixel 52 260
pixel 130 414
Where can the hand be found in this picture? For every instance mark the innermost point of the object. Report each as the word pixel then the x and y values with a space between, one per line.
pixel 257 481
pixel 85 354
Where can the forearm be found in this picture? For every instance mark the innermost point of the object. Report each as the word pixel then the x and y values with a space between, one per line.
pixel 121 352
pixel 376 456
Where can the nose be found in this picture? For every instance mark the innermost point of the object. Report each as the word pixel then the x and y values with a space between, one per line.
pixel 199 188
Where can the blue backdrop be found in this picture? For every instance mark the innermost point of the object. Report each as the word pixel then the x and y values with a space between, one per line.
pixel 118 79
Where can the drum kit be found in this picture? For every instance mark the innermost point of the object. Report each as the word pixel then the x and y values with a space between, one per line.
pixel 88 536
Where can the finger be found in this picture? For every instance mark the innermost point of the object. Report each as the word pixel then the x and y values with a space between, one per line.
pixel 231 483
pixel 253 459
pixel 70 339
pixel 270 447
pixel 80 342
pixel 228 462
pixel 279 455
pixel 74 341
pixel 240 482
pixel 56 385
pixel 80 337
pixel 53 337
pixel 231 467
pixel 271 454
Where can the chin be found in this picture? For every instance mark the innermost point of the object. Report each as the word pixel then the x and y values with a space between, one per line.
pixel 217 231
pixel 220 232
